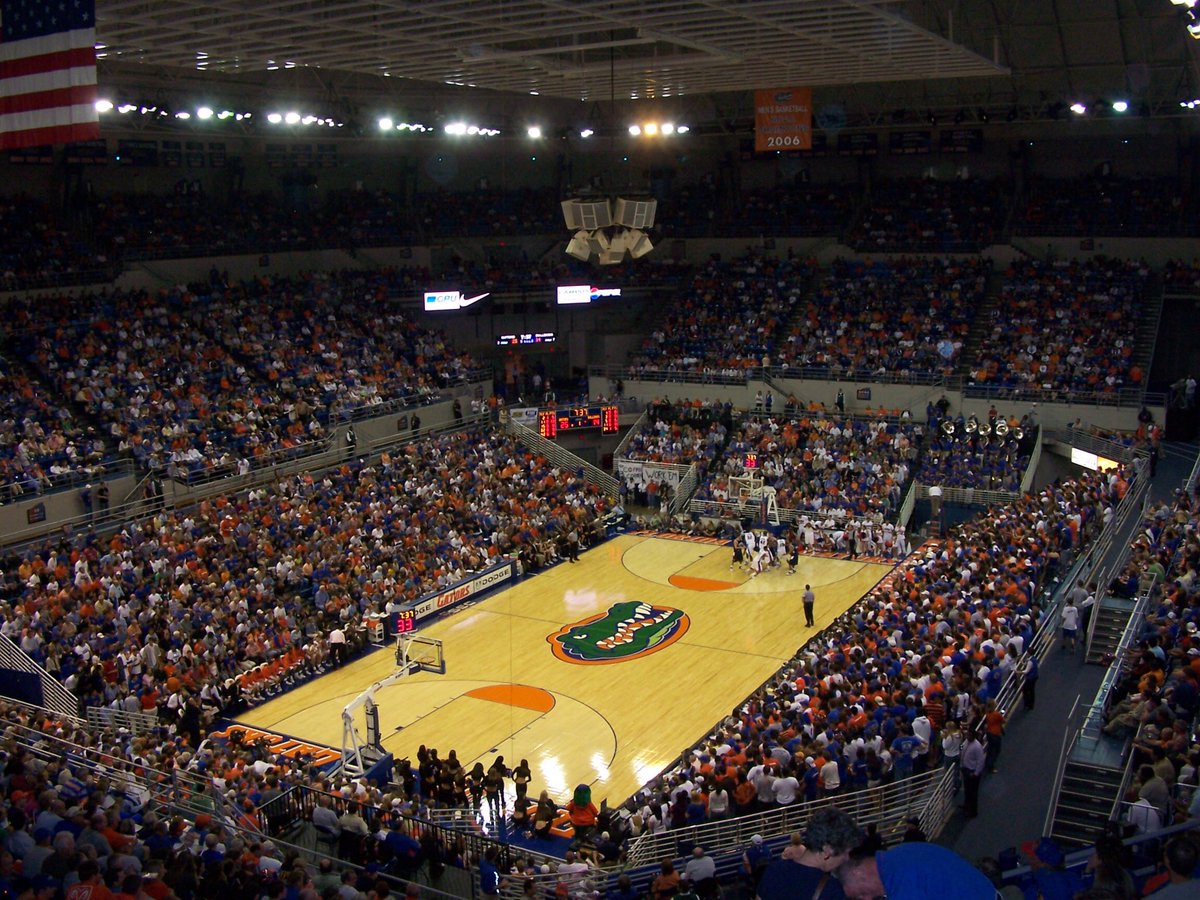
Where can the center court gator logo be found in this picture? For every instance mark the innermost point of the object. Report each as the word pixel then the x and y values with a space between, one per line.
pixel 629 630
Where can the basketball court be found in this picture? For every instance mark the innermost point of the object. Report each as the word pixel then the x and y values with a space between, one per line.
pixel 599 672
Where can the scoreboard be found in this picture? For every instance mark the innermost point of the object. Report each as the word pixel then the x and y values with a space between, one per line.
pixel 404 621
pixel 553 421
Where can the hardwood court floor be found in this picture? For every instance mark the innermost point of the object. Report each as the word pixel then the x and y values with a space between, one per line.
pixel 613 723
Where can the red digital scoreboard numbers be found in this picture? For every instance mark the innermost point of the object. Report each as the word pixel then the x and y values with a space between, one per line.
pixel 552 422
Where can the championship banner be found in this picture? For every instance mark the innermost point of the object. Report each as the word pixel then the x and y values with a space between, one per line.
pixel 783 119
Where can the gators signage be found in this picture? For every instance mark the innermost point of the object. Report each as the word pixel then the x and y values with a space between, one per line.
pixel 628 630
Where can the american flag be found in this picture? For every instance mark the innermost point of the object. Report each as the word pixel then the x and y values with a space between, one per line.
pixel 47 72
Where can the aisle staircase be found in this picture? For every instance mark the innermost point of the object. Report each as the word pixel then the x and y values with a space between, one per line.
pixel 1085 802
pixel 1147 327
pixel 1112 617
pixel 981 325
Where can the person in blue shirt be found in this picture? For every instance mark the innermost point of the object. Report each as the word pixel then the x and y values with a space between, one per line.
pixel 489 875
pixel 913 871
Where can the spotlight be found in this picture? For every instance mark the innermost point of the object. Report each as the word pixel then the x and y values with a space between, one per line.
pixel 386 124
pixel 635 130
pixel 292 118
pixel 103 106
pixel 274 118
pixel 682 129
pixel 534 132
pixel 586 133
pixel 308 120
pixel 650 128
pixel 1078 108
pixel 668 127
pixel 126 108
pixel 982 115
pixel 204 112
pixel 1120 106
pixel 472 129
pixel 456 128
pixel 225 114
pixel 185 115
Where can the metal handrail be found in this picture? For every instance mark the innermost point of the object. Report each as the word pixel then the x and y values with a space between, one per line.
pixel 54 693
pixel 96 521
pixel 136 722
pixel 1093 723
pixel 908 504
pixel 1189 486
pixel 1068 741
pixel 684 490
pixel 563 458
pixel 634 429
pixel 887 805
pixel 984 496
pixel 270 459
pixel 102 470
pixel 174 789
pixel 734 509
pixel 1094 443
pixel 1125 397
pixel 1035 457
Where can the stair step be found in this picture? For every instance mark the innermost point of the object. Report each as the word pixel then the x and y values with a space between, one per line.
pixel 1094 774
pixel 1085 802
pixel 1073 836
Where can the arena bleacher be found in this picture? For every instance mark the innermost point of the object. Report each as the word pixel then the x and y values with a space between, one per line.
pixel 235 446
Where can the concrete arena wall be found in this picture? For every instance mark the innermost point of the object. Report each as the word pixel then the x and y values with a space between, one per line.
pixel 891 396
pixel 60 506
pixel 1155 251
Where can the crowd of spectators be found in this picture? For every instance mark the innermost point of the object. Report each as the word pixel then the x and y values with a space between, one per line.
pixel 796 210
pixel 990 463
pixel 899 683
pixel 82 817
pixel 930 216
pixel 37 248
pixel 190 223
pixel 1106 206
pixel 489 212
pixel 886 317
pixel 728 319
pixel 211 375
pixel 682 433
pixel 1157 699
pixel 41 444
pixel 1181 277
pixel 821 463
pixel 192 601
pixel 1066 326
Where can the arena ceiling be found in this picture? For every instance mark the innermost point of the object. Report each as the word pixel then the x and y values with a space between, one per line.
pixel 878 53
